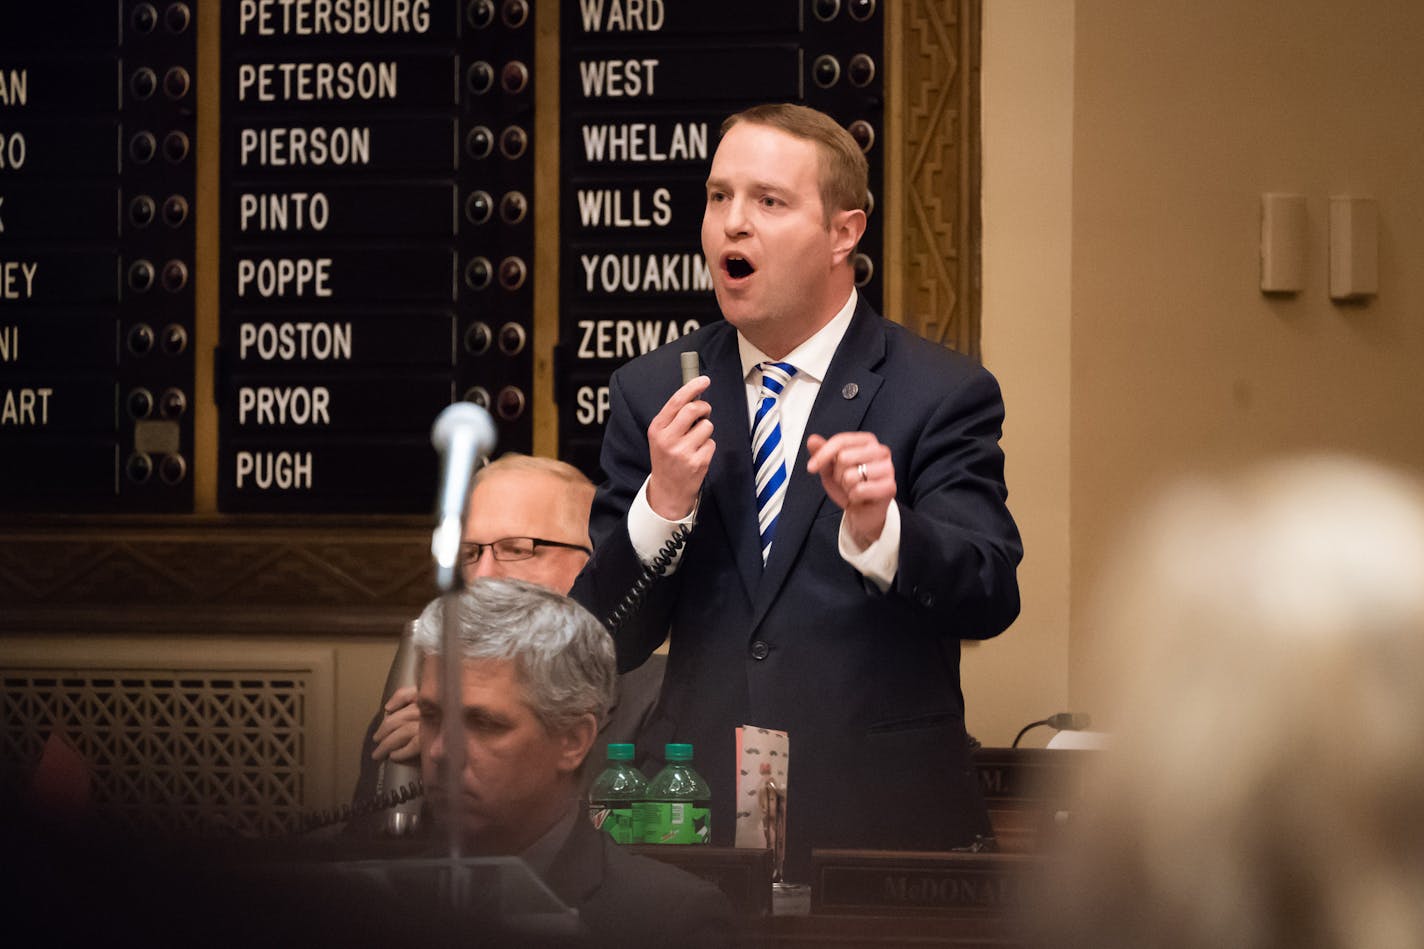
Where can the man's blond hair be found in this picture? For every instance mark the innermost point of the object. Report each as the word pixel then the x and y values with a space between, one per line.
pixel 845 174
pixel 516 461
pixel 574 504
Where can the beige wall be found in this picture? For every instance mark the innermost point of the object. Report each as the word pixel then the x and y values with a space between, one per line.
pixel 1185 114
pixel 1027 207
pixel 1182 115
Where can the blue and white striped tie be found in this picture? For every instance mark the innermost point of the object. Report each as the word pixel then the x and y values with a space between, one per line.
pixel 767 455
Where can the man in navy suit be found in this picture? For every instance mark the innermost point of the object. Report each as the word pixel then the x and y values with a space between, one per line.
pixel 843 486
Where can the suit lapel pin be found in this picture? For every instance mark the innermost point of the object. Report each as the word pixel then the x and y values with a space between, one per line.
pixel 850 390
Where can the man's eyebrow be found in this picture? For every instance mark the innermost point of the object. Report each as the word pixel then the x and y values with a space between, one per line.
pixel 470 713
pixel 758 185
pixel 481 713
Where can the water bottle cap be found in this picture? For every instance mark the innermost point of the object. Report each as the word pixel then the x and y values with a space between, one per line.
pixel 676 751
pixel 620 751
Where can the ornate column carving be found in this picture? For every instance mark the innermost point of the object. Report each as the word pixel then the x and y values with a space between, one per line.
pixel 933 239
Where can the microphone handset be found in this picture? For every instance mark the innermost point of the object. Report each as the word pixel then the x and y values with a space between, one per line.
pixel 690 365
pixel 403 817
pixel 398 786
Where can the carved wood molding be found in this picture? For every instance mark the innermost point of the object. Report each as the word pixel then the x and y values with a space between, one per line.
pixel 203 575
pixel 938 47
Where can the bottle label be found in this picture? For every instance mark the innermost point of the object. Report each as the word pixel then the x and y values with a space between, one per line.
pixel 673 822
pixel 616 822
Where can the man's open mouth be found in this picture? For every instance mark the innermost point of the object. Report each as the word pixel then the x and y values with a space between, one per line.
pixel 738 267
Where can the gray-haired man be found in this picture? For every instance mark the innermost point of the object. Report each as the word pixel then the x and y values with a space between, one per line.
pixel 537 679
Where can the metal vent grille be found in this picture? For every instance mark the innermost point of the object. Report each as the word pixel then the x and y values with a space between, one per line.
pixel 186 752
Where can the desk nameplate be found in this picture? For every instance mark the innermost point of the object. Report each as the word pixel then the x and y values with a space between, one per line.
pixel 878 882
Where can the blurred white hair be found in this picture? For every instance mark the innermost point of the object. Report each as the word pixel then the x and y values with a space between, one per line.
pixel 1266 782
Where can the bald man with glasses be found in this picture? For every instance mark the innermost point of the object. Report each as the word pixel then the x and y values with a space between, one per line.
pixel 527 520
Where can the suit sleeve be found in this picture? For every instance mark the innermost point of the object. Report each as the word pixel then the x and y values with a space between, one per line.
pixel 614 568
pixel 959 546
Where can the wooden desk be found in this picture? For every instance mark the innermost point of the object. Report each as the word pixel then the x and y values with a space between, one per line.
pixel 1026 789
pixel 903 899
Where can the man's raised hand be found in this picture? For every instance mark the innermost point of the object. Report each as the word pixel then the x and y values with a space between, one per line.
pixel 680 447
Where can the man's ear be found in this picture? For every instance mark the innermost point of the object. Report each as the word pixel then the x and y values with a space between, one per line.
pixel 576 741
pixel 847 227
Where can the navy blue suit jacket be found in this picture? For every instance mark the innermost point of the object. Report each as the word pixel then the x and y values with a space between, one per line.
pixel 867 684
pixel 626 900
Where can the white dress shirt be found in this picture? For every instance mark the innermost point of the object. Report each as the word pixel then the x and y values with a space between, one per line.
pixel 878 562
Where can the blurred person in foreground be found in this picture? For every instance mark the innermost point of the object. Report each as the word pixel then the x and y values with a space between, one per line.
pixel 1265 780
pixel 537 679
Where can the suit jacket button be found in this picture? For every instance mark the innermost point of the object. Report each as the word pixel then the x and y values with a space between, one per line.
pixel 760 650
pixel 926 598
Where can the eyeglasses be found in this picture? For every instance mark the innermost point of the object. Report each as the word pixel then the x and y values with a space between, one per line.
pixel 514 548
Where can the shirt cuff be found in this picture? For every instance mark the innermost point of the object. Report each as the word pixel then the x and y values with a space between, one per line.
pixel 879 562
pixel 650 531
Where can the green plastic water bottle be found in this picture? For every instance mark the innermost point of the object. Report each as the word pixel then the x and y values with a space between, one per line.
pixel 678 804
pixel 615 794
